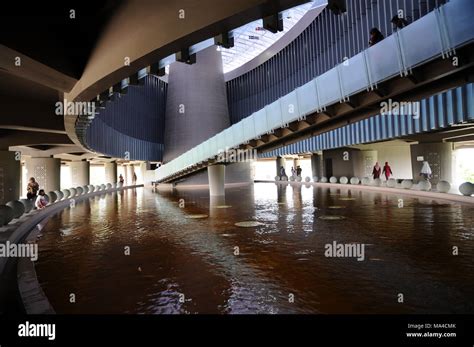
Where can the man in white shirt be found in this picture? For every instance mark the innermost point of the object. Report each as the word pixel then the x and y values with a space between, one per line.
pixel 41 201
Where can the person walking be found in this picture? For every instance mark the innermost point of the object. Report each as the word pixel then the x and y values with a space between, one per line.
pixel 32 189
pixel 282 172
pixel 134 178
pixel 377 170
pixel 121 180
pixel 293 171
pixel 298 171
pixel 387 171
pixel 399 22
pixel 426 171
pixel 375 36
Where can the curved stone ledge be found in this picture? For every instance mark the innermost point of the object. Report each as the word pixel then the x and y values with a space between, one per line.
pixel 32 295
pixel 393 191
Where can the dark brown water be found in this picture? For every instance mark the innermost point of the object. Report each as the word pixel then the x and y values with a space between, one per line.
pixel 408 251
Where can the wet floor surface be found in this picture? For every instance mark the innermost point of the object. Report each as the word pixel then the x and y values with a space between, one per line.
pixel 187 256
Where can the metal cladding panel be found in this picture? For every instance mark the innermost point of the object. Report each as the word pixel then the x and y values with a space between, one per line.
pixel 260 122
pixel 436 112
pixel 290 106
pixel 274 115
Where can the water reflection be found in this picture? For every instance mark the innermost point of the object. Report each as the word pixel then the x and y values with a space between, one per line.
pixel 182 265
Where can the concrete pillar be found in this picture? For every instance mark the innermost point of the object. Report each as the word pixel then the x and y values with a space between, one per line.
pixel 80 173
pixel 279 163
pixel 438 155
pixel 196 106
pixel 125 174
pixel 111 172
pixel 131 171
pixel 316 165
pixel 10 176
pixel 216 174
pixel 46 171
pixel 296 162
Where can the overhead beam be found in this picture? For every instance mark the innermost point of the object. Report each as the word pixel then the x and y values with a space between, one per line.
pixel 22 66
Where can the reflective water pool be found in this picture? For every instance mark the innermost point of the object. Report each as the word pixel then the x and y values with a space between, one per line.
pixel 141 251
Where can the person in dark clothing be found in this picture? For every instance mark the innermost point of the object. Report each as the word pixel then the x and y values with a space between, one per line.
pixel 282 171
pixel 375 36
pixel 387 171
pixel 399 22
pixel 32 189
pixel 377 170
pixel 298 170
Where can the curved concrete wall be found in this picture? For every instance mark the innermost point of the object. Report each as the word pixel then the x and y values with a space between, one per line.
pixel 132 125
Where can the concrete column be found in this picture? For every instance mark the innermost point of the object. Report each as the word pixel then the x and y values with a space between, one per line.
pixel 316 165
pixel 10 176
pixel 196 106
pixel 111 172
pixel 125 174
pixel 131 171
pixel 279 163
pixel 296 162
pixel 46 171
pixel 438 155
pixel 80 173
pixel 216 174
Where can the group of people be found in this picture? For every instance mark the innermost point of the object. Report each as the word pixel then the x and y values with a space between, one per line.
pixel 387 171
pixel 377 36
pixel 134 178
pixel 294 172
pixel 35 194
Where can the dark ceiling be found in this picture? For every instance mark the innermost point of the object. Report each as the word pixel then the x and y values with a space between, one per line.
pixel 44 31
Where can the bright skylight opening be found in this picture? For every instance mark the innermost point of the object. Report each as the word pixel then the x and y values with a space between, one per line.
pixel 251 40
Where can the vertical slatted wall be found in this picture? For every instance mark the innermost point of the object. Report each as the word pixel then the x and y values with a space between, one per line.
pixel 133 123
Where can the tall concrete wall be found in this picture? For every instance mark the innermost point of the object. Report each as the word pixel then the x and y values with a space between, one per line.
pixel 399 159
pixel 10 176
pixel 80 173
pixel 46 171
pixel 111 172
pixel 344 162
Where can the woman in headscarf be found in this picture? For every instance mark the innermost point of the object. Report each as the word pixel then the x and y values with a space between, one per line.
pixel 426 171
pixel 387 171
pixel 377 170
pixel 375 36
